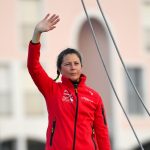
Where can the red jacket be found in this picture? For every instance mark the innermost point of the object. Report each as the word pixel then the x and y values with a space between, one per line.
pixel 76 117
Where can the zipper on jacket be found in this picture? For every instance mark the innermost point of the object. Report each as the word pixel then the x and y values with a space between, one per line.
pixel 76 116
pixel 104 118
pixel 52 132
pixel 93 132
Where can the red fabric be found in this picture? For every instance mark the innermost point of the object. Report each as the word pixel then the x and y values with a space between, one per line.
pixel 61 105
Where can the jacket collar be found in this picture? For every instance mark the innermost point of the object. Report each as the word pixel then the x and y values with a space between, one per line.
pixel 69 83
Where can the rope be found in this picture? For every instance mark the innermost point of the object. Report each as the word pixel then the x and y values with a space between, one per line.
pixel 125 69
pixel 98 49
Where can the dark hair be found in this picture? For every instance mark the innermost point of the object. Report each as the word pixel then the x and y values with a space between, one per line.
pixel 62 55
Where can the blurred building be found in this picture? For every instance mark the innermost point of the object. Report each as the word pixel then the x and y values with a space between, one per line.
pixel 23 116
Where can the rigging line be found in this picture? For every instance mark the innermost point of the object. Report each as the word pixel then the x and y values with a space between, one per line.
pixel 97 46
pixel 116 47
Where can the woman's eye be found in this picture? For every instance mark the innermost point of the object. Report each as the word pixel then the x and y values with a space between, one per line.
pixel 76 63
pixel 67 64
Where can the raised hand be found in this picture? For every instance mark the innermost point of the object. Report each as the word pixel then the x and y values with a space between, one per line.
pixel 48 23
pixel 45 25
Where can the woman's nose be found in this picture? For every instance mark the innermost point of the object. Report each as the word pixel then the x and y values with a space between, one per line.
pixel 72 66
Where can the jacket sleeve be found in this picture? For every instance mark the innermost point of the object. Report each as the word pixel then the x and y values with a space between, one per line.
pixel 39 76
pixel 100 127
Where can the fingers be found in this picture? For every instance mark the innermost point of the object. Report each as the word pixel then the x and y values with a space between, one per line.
pixel 55 21
pixel 49 22
pixel 46 17
pixel 52 27
pixel 53 18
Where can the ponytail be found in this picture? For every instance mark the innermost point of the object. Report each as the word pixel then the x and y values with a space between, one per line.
pixel 58 74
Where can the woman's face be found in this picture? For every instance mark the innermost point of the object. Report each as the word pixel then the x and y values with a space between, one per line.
pixel 71 67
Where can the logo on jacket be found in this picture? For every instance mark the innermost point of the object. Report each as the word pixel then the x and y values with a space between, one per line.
pixel 87 99
pixel 67 97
